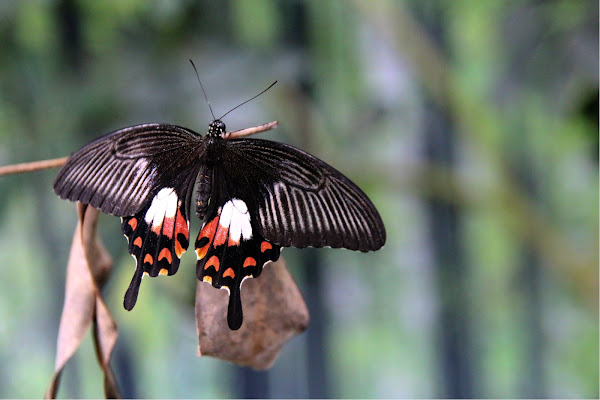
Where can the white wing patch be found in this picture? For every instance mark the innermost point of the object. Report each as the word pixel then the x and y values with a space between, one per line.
pixel 164 205
pixel 236 217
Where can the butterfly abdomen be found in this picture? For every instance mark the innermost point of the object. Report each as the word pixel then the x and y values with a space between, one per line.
pixel 203 191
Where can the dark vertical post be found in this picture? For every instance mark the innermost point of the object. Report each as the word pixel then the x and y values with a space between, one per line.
pixel 532 379
pixel 70 31
pixel 445 233
pixel 317 374
pixel 454 333
pixel 125 369
pixel 251 384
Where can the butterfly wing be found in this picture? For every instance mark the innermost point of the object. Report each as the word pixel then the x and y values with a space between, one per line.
pixel 230 247
pixel 119 172
pixel 158 235
pixel 144 174
pixel 303 201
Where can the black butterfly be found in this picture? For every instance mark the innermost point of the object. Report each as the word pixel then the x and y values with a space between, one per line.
pixel 256 196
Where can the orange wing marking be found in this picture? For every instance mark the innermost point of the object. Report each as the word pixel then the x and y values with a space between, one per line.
pixel 133 223
pixel 179 250
pixel 249 262
pixel 165 253
pixel 181 225
pixel 148 259
pixel 264 246
pixel 212 262
pixel 229 272
pixel 208 231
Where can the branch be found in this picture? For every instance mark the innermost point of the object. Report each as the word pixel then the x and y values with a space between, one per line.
pixel 59 162
pixel 250 131
pixel 32 166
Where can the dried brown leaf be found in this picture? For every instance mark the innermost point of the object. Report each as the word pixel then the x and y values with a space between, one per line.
pixel 88 269
pixel 274 312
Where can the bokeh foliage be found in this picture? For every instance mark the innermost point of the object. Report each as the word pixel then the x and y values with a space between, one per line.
pixel 519 82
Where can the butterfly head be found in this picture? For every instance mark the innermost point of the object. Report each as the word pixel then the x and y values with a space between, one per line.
pixel 216 128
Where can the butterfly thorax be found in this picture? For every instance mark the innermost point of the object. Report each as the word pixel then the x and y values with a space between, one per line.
pixel 214 142
pixel 214 150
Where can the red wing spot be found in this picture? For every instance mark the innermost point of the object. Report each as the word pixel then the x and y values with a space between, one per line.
pixel 163 271
pixel 138 242
pixel 148 259
pixel 249 262
pixel 229 272
pixel 132 223
pixel 212 262
pixel 179 250
pixel 165 253
pixel 209 229
pixel 264 246
pixel 181 225
pixel 233 243
pixel 168 227
pixel 221 236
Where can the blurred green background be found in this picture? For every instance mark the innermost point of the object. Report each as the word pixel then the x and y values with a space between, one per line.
pixel 472 125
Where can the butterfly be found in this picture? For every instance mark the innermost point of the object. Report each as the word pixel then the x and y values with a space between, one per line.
pixel 255 197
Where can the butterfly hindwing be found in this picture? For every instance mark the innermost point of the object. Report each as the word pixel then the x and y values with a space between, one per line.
pixel 158 236
pixel 230 249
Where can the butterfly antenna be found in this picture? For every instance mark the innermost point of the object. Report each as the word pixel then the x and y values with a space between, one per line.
pixel 239 105
pixel 203 91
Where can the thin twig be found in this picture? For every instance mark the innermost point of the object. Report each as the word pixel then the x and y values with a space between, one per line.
pixel 250 131
pixel 59 162
pixel 32 166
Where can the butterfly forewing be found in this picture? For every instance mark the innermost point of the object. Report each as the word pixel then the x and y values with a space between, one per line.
pixel 119 172
pixel 302 201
